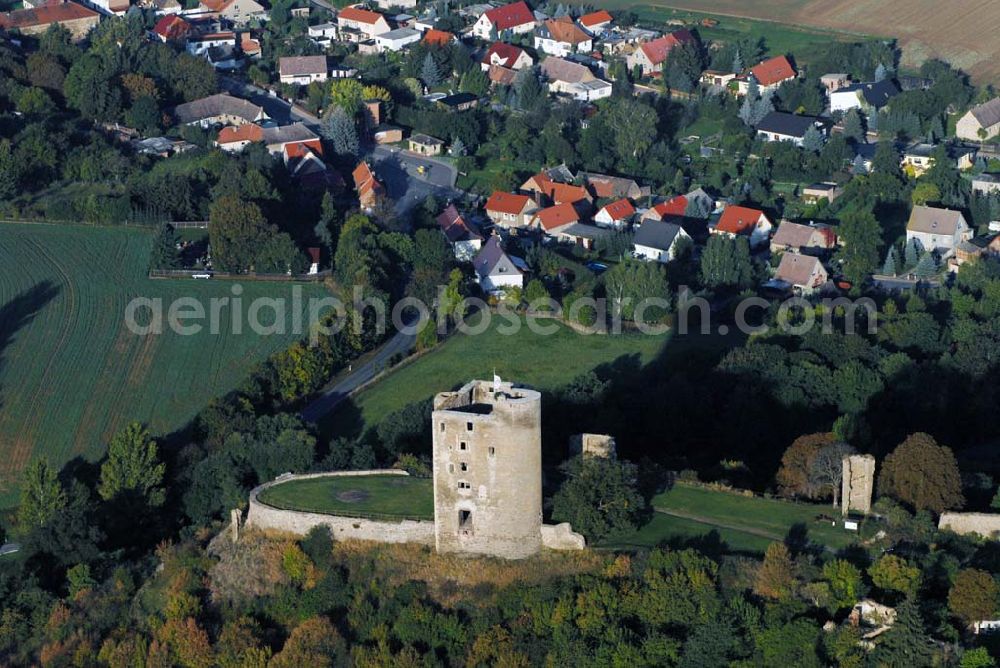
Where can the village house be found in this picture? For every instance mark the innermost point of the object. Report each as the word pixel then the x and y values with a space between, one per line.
pixel 398 39
pixel 575 80
pixel 515 17
pixel 171 28
pixel 509 210
pixel 651 55
pixel 918 157
pixel 604 186
pixel 803 273
pixel 77 19
pixel 744 221
pixel 780 126
pixel 462 236
pixel 507 56
pixel 369 188
pixel 302 70
pixel 501 76
pixel 324 33
pixel 425 145
pixel 799 238
pixel 769 75
pixel 695 202
pixel 986 184
pixel 356 24
pixel 835 81
pixel 390 4
pixel 812 194
pixel 717 79
pixel 550 219
pixel 249 46
pixel 218 109
pixel 548 190
pixel 238 12
pixel 304 161
pixel 234 139
pixel 865 97
pixel 657 240
pixel 201 44
pixel 939 230
pixel 581 234
pixel 596 22
pixel 495 270
pixel 562 37
pixel 980 123
pixel 459 101
pixel 617 214
pixel 436 37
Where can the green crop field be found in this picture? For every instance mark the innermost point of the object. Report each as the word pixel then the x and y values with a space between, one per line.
pixel 542 361
pixel 382 496
pixel 746 524
pixel 72 373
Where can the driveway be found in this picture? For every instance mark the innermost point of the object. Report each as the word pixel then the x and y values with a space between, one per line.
pixel 400 172
pixel 332 396
pixel 280 111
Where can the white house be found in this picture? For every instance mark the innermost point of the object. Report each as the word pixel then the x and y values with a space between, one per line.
pixel 574 79
pixel 506 55
pixel 744 221
pixel 596 22
pixel 398 39
pixel 515 17
pixel 936 229
pixel 324 33
pixel 302 70
pixel 465 241
pixel 617 214
pixel 656 240
pixel 562 37
pixel 495 270
pixel 198 45
pixel 866 97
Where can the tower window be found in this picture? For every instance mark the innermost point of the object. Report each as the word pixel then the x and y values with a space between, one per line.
pixel 463 446
pixel 465 519
pixel 468 426
pixel 492 451
pixel 464 485
pixel 464 466
pixel 442 426
pixel 451 468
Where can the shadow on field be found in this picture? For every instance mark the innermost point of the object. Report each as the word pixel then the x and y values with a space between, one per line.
pixel 19 311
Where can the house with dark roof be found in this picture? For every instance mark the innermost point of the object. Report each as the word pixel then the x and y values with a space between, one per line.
pixel 218 109
pixel 581 234
pixel 562 37
pixel 495 270
pixel 980 123
pixel 506 55
pixel 656 240
pixel 461 235
pixel 515 17
pixel 938 230
pixel 866 97
pixel 651 55
pixel 781 126
pixel 459 101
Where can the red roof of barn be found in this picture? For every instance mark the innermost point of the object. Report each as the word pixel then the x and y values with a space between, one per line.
pixel 658 49
pixel 358 14
pixel 505 202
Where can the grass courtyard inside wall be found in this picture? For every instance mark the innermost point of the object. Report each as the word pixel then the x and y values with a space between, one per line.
pixel 379 496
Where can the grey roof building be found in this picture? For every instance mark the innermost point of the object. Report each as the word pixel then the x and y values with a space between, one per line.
pixel 219 108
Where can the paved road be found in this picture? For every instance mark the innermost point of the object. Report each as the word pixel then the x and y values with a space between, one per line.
pixel 406 185
pixel 332 396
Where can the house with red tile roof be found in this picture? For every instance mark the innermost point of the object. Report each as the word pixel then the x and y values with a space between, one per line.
pixel 596 22
pixel 461 235
pixel 769 74
pixel 516 17
pixel 677 206
pixel 436 37
pixel 562 37
pixel 501 76
pixel 556 192
pixel 651 55
pixel 368 187
pixel 171 28
pixel 235 139
pixel 506 55
pixel 70 15
pixel 361 23
pixel 617 214
pixel 551 219
pixel 510 210
pixel 744 221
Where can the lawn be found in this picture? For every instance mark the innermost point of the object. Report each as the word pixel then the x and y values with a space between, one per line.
pixel 377 496
pixel 72 373
pixel 744 523
pixel 542 361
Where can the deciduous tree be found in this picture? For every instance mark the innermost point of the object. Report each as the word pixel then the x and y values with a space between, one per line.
pixel 923 474
pixel 133 467
pixel 598 497
pixel 973 595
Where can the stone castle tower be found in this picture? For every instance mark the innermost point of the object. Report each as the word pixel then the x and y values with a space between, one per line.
pixel 857 483
pixel 488 470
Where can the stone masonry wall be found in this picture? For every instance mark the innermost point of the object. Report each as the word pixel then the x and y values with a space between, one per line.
pixel 984 524
pixel 263 516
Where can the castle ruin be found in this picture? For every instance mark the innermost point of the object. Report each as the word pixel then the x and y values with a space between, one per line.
pixel 856 484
